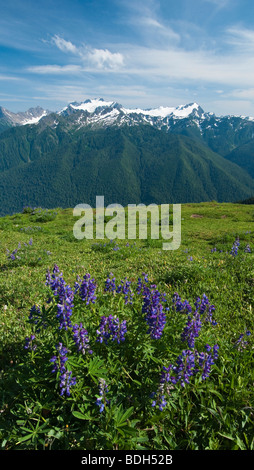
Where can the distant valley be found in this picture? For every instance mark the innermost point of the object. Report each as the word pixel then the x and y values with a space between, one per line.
pixel 163 155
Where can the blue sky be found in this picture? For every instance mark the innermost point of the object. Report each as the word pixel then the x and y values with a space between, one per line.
pixel 140 53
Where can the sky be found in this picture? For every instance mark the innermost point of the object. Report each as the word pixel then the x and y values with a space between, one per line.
pixel 139 53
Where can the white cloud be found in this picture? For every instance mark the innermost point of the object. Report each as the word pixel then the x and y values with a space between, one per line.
pixel 151 25
pixel 104 59
pixel 55 69
pixel 241 37
pixel 245 94
pixel 7 77
pixel 98 58
pixel 64 46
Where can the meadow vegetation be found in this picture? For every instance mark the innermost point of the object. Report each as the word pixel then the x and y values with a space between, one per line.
pixel 118 344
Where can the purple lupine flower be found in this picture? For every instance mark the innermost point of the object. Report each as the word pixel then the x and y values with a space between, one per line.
pixel 192 329
pixel 163 389
pixel 29 343
pixel 179 306
pixel 80 336
pixel 110 284
pixel 56 269
pixel 215 352
pixel 141 283
pixel 205 309
pixel 188 364
pixel 101 400
pixel 111 328
pixel 86 289
pixel 152 307
pixel 60 360
pixel 185 368
pixel 59 365
pixel 241 342
pixel 53 280
pixel 235 247
pixel 66 381
pixel 247 249
pixel 206 360
pixel 65 304
pixel 65 297
pixel 125 289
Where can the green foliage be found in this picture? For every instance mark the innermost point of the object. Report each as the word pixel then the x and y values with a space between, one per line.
pixel 212 414
pixel 126 164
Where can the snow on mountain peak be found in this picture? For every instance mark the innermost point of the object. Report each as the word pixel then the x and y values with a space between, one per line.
pixel 34 119
pixel 91 105
pixel 180 112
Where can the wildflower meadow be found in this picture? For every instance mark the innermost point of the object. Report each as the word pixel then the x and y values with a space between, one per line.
pixel 133 348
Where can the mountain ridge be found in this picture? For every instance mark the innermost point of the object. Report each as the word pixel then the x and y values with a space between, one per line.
pixel 172 155
pixel 111 110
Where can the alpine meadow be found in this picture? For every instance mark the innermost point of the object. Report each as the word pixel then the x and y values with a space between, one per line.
pixel 117 344
pixel 126 232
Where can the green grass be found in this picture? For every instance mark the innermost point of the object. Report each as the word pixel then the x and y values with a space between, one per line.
pixel 216 413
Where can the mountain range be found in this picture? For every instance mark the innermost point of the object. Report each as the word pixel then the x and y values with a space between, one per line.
pixel 96 147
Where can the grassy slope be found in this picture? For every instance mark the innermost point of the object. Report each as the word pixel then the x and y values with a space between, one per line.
pixel 227 282
pixel 203 227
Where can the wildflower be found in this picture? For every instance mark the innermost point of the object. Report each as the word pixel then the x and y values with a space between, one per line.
pixel 29 343
pixel 65 297
pixel 53 280
pixel 59 363
pixel 86 289
pixel 247 249
pixel 64 312
pixel 67 381
pixel 101 400
pixel 179 306
pixel 204 307
pixel 125 289
pixel 163 389
pixel 241 342
pixel 111 328
pixel 206 360
pixel 192 329
pixel 110 284
pixel 141 283
pixel 188 364
pixel 235 247
pixel 185 368
pixel 80 336
pixel 152 307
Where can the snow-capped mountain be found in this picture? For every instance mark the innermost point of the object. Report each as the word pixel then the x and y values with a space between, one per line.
pixel 97 112
pixel 100 112
pixel 32 116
